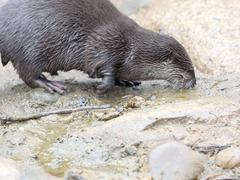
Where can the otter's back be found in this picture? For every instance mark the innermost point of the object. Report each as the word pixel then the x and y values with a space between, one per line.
pixel 49 29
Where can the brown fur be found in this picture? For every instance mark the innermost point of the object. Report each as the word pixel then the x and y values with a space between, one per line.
pixel 88 35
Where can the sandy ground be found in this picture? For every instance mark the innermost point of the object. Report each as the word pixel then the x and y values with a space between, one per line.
pixel 206 116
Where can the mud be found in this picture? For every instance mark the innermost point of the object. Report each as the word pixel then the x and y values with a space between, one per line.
pixel 203 117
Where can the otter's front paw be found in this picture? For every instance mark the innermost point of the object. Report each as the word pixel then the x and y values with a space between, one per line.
pixel 107 83
pixel 102 89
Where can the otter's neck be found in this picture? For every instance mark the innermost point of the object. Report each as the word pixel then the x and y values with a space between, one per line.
pixel 137 64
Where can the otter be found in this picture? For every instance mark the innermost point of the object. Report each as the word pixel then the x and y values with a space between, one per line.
pixel 92 36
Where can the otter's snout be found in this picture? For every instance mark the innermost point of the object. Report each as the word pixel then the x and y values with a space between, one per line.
pixel 185 84
pixel 184 81
pixel 190 82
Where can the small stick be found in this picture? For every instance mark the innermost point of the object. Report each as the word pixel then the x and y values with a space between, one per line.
pixel 10 120
pixel 211 150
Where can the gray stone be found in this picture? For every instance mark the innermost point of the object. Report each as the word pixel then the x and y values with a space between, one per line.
pixel 228 158
pixel 131 150
pixel 18 140
pixel 135 102
pixel 108 115
pixel 8 169
pixel 175 161
pixel 71 175
pixel 28 173
pixel 3 2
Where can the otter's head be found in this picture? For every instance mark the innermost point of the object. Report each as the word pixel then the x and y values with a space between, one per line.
pixel 161 57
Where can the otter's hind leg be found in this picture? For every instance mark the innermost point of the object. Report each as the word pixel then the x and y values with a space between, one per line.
pixel 33 78
pixel 50 86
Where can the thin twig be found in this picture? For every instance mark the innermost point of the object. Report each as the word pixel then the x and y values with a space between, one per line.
pixel 211 150
pixel 10 120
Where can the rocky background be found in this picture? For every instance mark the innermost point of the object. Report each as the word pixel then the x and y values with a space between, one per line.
pixel 151 132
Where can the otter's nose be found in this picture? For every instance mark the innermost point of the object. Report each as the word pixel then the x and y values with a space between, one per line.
pixel 191 82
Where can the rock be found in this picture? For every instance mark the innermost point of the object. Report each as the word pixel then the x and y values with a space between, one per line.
pixel 108 115
pixel 71 175
pixel 78 103
pixel 3 116
pixel 66 119
pixel 3 2
pixel 28 173
pixel 228 158
pixel 18 140
pixel 175 161
pixel 8 169
pixel 222 177
pixel 131 150
pixel 99 115
pixel 135 102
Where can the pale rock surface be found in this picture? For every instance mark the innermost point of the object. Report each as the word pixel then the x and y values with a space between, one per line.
pixel 8 169
pixel 228 158
pixel 3 2
pixel 175 161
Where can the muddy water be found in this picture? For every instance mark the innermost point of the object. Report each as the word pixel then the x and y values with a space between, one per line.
pixel 204 115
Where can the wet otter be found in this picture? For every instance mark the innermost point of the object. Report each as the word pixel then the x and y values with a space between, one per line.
pixel 88 35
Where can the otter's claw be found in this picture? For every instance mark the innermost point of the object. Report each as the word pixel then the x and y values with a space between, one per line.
pixel 101 89
pixel 127 83
pixel 50 86
pixel 107 83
